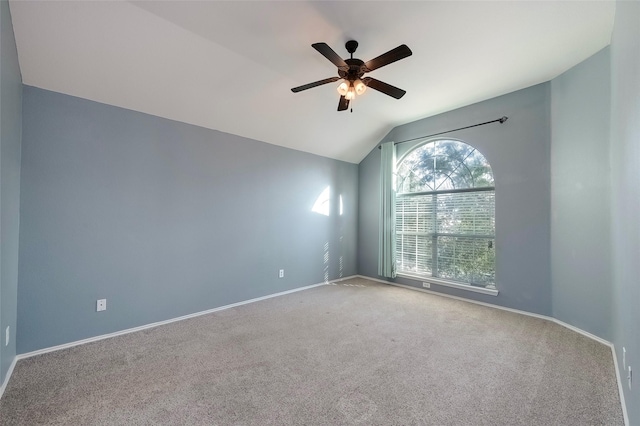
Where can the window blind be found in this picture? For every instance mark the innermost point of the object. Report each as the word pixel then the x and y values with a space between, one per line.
pixel 449 235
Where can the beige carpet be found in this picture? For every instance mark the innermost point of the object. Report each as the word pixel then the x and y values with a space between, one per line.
pixel 353 353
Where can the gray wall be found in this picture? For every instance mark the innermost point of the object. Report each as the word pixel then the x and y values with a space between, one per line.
pixel 10 135
pixel 163 219
pixel 625 193
pixel 580 187
pixel 518 152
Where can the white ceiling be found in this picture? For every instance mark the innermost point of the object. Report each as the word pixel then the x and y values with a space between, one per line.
pixel 230 65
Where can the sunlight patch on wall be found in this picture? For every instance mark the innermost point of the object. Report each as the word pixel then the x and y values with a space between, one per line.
pixel 326 261
pixel 323 202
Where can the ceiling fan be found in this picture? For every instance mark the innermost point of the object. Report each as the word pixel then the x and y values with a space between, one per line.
pixel 351 71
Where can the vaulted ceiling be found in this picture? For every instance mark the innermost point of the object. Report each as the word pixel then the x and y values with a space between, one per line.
pixel 230 65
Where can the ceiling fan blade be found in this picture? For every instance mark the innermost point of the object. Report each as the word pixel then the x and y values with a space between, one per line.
pixel 391 56
pixel 331 55
pixel 383 87
pixel 343 104
pixel 314 84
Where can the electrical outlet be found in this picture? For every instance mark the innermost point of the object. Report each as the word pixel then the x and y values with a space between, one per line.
pixel 624 358
pixel 281 273
pixel 426 285
pixel 101 305
pixel 6 336
pixel 630 376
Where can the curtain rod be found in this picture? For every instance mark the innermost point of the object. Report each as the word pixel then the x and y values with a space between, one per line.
pixel 501 120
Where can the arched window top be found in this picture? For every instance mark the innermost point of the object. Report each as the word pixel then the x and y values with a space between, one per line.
pixel 443 165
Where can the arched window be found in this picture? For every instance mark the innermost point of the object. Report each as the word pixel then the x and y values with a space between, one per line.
pixel 445 214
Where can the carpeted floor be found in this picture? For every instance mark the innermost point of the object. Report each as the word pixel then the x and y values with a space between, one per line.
pixel 356 352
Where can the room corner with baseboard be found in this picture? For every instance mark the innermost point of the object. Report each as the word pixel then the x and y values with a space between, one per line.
pixel 10 140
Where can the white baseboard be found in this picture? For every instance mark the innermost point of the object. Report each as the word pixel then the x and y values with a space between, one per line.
pixel 491 305
pixel 620 388
pixel 8 376
pixel 169 321
pixel 529 314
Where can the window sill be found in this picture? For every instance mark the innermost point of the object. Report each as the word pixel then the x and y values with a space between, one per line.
pixel 452 284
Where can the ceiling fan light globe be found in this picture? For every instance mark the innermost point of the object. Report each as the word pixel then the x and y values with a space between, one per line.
pixel 351 93
pixel 343 88
pixel 360 87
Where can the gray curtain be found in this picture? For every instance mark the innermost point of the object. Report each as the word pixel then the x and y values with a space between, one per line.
pixel 387 240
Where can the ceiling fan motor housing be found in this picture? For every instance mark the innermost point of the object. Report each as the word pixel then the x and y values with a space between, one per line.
pixel 356 70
